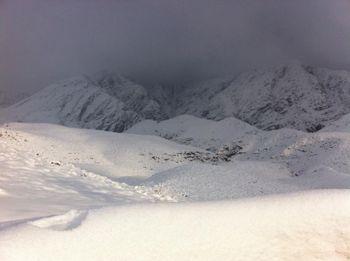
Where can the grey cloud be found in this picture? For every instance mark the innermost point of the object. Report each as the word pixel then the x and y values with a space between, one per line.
pixel 165 41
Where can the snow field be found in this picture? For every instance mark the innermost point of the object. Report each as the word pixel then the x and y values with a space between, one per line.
pixel 305 226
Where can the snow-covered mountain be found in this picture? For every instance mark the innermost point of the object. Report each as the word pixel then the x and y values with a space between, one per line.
pixel 105 102
pixel 293 96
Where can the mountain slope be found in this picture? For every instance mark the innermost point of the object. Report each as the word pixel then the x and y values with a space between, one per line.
pixel 203 133
pixel 309 155
pixel 293 96
pixel 108 102
pixel 46 169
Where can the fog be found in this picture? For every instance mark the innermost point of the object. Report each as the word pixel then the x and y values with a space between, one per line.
pixel 165 41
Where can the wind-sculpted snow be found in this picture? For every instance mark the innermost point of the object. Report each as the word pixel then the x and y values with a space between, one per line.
pixel 306 226
pixel 293 96
pixel 105 102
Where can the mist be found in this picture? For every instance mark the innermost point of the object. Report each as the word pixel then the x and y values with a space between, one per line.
pixel 167 42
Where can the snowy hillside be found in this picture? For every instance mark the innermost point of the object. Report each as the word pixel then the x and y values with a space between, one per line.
pixel 293 96
pixel 106 102
pixel 198 132
pixel 266 163
pixel 45 169
pixel 316 160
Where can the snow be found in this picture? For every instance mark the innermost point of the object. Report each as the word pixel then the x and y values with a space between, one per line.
pixel 215 187
pixel 47 169
pixel 287 96
pixel 117 155
pixel 292 96
pixel 239 179
pixel 341 125
pixel 198 132
pixel 308 226
pixel 106 102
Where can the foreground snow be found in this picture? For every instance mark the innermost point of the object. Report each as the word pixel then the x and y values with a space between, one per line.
pixel 308 226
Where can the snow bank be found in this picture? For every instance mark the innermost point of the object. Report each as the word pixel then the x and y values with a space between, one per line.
pixel 309 226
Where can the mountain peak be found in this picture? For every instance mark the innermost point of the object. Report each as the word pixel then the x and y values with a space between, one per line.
pixel 113 103
pixel 288 96
pixel 293 96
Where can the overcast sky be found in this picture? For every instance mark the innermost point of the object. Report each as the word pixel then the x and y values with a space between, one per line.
pixel 167 41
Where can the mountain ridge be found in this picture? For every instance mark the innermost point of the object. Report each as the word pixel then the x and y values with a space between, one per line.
pixel 293 96
pixel 111 103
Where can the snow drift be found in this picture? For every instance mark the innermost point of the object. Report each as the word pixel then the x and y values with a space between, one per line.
pixel 308 226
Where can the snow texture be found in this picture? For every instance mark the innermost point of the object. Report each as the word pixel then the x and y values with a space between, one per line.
pixel 309 226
